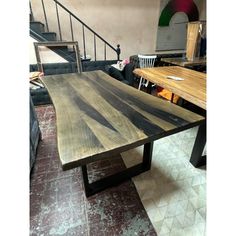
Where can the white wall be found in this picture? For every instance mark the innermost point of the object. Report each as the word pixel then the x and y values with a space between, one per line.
pixel 132 24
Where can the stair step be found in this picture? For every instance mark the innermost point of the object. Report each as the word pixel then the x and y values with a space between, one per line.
pixel 50 36
pixel 37 26
pixel 68 55
pixel 60 48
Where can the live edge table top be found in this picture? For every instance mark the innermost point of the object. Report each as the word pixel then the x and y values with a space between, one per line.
pixel 98 117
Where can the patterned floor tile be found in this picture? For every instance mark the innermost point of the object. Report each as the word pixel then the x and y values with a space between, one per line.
pixel 177 189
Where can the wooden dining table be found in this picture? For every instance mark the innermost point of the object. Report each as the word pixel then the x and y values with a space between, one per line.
pixel 184 62
pixel 98 117
pixel 192 88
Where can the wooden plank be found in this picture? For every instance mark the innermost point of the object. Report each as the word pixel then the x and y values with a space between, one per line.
pixel 193 38
pixel 98 117
pixel 192 88
pixel 185 62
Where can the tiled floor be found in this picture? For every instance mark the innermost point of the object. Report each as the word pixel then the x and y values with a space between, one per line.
pixel 58 205
pixel 173 192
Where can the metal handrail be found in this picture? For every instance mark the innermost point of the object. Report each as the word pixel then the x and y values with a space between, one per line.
pixel 117 50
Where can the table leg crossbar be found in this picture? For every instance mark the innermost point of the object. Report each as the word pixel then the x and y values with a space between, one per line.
pixel 115 179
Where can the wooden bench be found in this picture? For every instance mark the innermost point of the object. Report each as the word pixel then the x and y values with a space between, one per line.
pixel 98 117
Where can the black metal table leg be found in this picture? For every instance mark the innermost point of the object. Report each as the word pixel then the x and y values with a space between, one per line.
pixel 196 157
pixel 115 179
pixel 149 87
pixel 147 156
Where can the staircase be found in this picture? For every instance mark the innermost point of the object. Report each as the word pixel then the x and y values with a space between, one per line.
pixel 40 31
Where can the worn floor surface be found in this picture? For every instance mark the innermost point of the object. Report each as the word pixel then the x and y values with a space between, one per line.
pixel 58 205
pixel 173 192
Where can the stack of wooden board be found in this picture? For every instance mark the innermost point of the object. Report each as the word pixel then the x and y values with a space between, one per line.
pixel 34 77
pixel 193 39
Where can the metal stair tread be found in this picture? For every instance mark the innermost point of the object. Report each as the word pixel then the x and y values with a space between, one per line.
pixel 48 33
pixel 36 22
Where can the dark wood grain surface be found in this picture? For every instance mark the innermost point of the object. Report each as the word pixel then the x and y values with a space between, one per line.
pixel 98 117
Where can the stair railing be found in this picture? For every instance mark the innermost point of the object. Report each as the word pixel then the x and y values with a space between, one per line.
pixel 116 50
pixel 31 12
pixel 45 16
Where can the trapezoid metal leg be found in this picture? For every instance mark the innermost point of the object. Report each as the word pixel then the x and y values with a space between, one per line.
pixel 196 157
pixel 117 178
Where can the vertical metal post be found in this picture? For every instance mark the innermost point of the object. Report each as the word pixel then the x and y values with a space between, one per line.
pixel 45 16
pixel 84 42
pixel 58 21
pixel 105 52
pixel 118 52
pixel 71 28
pixel 95 49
